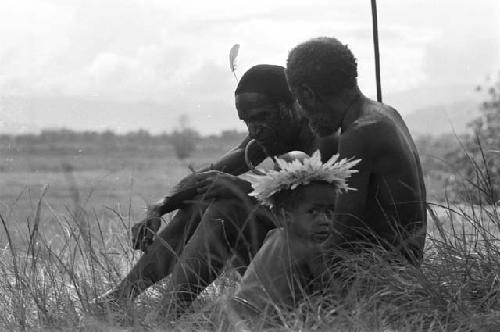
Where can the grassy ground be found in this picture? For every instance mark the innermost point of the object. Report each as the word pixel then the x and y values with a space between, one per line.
pixel 64 241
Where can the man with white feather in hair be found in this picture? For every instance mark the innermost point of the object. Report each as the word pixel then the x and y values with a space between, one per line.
pixel 216 219
pixel 380 211
pixel 385 209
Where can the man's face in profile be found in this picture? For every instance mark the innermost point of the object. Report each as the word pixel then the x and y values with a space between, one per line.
pixel 323 120
pixel 262 118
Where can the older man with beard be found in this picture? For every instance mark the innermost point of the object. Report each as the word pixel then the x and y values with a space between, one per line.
pixel 388 208
pixel 217 220
pixel 328 231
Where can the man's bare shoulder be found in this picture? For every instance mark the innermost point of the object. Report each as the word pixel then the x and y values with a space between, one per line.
pixel 373 128
pixel 375 115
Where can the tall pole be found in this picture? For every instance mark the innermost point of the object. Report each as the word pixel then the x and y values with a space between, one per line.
pixel 376 49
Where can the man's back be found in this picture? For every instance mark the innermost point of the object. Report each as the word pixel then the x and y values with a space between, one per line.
pixel 395 199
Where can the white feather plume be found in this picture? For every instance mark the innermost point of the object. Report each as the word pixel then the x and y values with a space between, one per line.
pixel 233 54
pixel 302 171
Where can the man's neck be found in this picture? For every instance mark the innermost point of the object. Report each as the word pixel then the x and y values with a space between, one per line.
pixel 352 100
pixel 305 141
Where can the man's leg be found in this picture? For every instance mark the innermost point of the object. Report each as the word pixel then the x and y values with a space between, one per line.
pixel 158 260
pixel 228 227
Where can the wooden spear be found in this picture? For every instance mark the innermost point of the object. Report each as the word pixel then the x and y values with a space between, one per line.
pixel 376 49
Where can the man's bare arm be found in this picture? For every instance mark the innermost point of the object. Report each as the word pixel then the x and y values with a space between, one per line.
pixel 232 162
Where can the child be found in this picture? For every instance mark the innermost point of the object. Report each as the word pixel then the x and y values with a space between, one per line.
pixel 301 193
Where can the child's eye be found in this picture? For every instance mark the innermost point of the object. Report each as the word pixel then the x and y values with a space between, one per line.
pixel 327 211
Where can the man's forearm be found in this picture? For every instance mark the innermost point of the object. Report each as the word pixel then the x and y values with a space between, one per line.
pixel 172 202
pixel 157 209
pixel 233 163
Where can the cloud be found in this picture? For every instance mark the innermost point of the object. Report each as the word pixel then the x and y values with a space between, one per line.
pixel 154 50
pixel 462 58
pixel 176 52
pixel 211 81
pixel 467 47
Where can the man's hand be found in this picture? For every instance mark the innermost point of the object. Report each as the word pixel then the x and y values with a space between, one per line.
pixel 144 231
pixel 185 190
pixel 207 184
pixel 215 184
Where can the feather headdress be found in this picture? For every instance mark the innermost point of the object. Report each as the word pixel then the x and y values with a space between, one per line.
pixel 301 171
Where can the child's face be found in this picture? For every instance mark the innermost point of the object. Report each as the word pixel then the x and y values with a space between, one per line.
pixel 312 216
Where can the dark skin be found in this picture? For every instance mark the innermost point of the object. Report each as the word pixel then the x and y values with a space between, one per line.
pixel 216 220
pixel 289 253
pixel 276 127
pixel 310 217
pixel 390 199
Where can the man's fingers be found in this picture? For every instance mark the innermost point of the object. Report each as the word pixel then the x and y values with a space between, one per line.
pixel 137 229
pixel 207 184
pixel 137 235
pixel 208 192
pixel 143 233
pixel 204 176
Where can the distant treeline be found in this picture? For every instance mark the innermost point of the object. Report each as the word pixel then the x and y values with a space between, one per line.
pixel 140 136
pixel 65 140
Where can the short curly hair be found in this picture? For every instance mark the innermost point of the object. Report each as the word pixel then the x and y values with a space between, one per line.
pixel 269 80
pixel 324 64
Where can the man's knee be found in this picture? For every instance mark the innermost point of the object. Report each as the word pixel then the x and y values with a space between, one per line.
pixel 185 220
pixel 230 207
pixel 227 214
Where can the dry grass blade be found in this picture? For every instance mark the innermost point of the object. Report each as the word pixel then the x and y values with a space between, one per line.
pixel 36 222
pixel 18 300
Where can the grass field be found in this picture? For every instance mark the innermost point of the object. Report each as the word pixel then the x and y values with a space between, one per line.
pixel 66 212
pixel 107 179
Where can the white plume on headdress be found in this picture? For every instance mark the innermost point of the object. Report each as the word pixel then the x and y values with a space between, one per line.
pixel 300 172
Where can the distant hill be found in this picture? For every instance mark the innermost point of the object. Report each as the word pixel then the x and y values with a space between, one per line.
pixel 410 100
pixel 441 119
pixel 428 110
pixel 436 110
pixel 24 115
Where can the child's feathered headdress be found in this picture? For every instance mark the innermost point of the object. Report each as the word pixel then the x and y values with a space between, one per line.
pixel 302 171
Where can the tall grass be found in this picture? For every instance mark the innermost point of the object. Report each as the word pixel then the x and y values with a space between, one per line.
pixel 49 280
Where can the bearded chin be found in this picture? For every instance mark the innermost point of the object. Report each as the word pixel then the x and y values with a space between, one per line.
pixel 268 144
pixel 274 147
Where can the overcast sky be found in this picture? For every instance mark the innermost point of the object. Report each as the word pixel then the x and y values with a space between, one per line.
pixel 177 51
